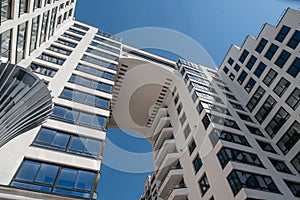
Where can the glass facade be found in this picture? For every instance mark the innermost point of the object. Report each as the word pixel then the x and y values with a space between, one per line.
pixel 22 31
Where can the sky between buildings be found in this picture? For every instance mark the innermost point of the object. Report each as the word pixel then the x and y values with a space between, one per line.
pixel 213 24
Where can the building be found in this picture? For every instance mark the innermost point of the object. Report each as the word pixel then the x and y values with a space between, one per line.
pixel 206 142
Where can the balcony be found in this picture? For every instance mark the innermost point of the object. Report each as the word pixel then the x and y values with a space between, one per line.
pixel 178 194
pixel 163 153
pixel 167 144
pixel 163 123
pixel 162 112
pixel 166 133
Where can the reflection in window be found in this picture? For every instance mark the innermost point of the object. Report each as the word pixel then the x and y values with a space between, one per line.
pixel 249 86
pixel 97 61
pixel 197 163
pixel 281 87
pixel 52 59
pixel 5 10
pixel 294 41
pixel 290 138
pixel 265 109
pixel 216 134
pixel 204 184
pixel 266 146
pixel 37 68
pixel 277 122
pixel 294 187
pixel 272 50
pixel 94 71
pixel 5 42
pixel 52 21
pixel 23 6
pixel 34 33
pixel 296 162
pixel 269 78
pixel 65 42
pixel 59 50
pixel 102 54
pixel 280 166
pixel 22 30
pixel 294 68
pixel 259 93
pixel 294 99
pixel 44 27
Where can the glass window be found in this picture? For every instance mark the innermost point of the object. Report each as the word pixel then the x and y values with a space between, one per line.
pixel 107 48
pixel 72 37
pixel 204 184
pixel 192 146
pixel 230 61
pixel 65 42
pixel 94 71
pixel 197 78
pixel 76 31
pixel 240 179
pixel 280 166
pixel 243 56
pixel 294 41
pixel 265 109
pixel 296 162
pixel 277 122
pixel 99 62
pixel 187 131
pixel 22 31
pixel 269 78
pixel 236 106
pixel 104 40
pixel 281 87
pixel 209 97
pixel 197 163
pixel 102 54
pixel 254 130
pixel 259 93
pixel 281 60
pixel 260 69
pixel 5 44
pixel 249 86
pixel 225 69
pixel 223 121
pixel 36 4
pixel 260 47
pixel 251 62
pixel 23 6
pixel 231 76
pixel 271 51
pixel 182 118
pixel 5 10
pixel 294 99
pixel 245 117
pixel 282 33
pixel 52 59
pixel 44 27
pixel 266 146
pixel 37 68
pixel 230 137
pixel 52 21
pixel 242 77
pixel 294 187
pixel 294 68
pixel 81 27
pixel 290 138
pixel 237 67
pixel 227 154
pixel 230 96
pixel 34 33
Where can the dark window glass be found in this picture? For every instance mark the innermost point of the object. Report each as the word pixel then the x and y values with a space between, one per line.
pixel 230 96
pixel 294 99
pixel 36 4
pixel 43 70
pixel 34 33
pixel 294 41
pixel 65 42
pixel 81 27
pixel 187 131
pixel 282 33
pixel 97 61
pixel 76 31
pixel 265 109
pixel 242 77
pixel 204 184
pixel 5 44
pixel 296 162
pixel 245 117
pixel 226 70
pixel 249 86
pixel 281 60
pixel 182 119
pixel 52 59
pixel 230 61
pixel 237 67
pixel 96 72
pixel 260 47
pixel 23 7
pixel 21 39
pixel 176 99
pixel 243 56
pixel 240 179
pixel 216 108
pixel 72 37
pixel 277 122
pixel 199 108
pixel 206 121
pixel 104 40
pixel 197 163
pixel 44 27
pixel 227 154
pixel 266 147
pixel 260 69
pixel 192 146
pixel 209 97
pixel 290 138
pixel 107 48
pixel 281 87
pixel 272 50
pixel 59 50
pixel 259 93
pixel 203 87
pixel 230 137
pixel 231 76
pixel 254 130
pixel 52 21
pixel 251 62
pixel 294 68
pixel 236 106
pixel 294 187
pixel 280 166
pixel 269 78
pixel 5 10
pixel 102 54
pixel 197 78
pixel 179 108
pixel 223 121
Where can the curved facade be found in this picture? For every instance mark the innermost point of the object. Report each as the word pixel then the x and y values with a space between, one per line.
pixel 25 101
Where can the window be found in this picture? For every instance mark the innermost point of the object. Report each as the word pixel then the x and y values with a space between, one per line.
pixel 182 118
pixel 227 154
pixel 81 27
pixel 203 87
pixel 5 10
pixel 284 56
pixel 230 61
pixel 5 44
pixel 192 146
pixel 107 48
pixel 226 70
pixel 76 31
pixel 37 68
pixel 280 166
pixel 265 109
pixel 272 50
pixel 34 33
pixel 52 21
pixel 230 96
pixel 236 106
pixel 231 76
pixel 208 97
pixel 102 54
pixel 224 87
pixel 206 121
pixel 240 179
pixel 204 184
pixel 223 121
pixel 104 40
pixel 294 187
pixel 96 72
pixel 245 117
pixel 22 31
pixel 293 43
pixel 294 68
pixel 237 67
pixel 72 37
pixel 44 27
pixel 23 7
pixel 282 33
pixel 90 83
pixel 187 131
pixel 249 86
pixel 196 78
pixel 79 118
pixel 259 93
pixel 294 99
pixel 52 59
pixel 59 50
pixel 290 138
pixel 62 141
pixel 36 4
pixel 243 56
pixel 65 42
pixel 260 69
pixel 260 47
pixel 216 108
pixel 269 78
pixel 242 77
pixel 99 62
pixel 277 122
pixel 266 146
pixel 251 62
pixel 296 162
pixel 194 72
pixel 176 99
pixel 230 137
pixel 254 130
pixel 179 108
pixel 85 98
pixel 197 163
pixel 51 178
pixel 281 87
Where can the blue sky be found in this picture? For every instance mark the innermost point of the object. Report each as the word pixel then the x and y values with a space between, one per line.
pixel 214 24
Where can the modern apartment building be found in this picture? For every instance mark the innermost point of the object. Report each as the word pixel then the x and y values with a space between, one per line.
pixel 207 143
